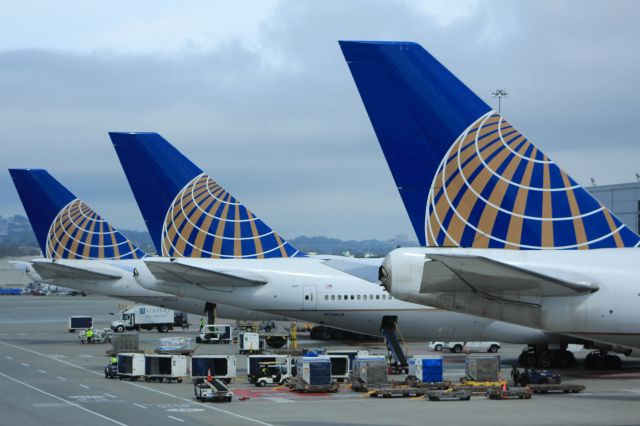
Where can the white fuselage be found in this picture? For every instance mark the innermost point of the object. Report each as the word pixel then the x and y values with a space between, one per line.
pixel 307 289
pixel 127 288
pixel 608 315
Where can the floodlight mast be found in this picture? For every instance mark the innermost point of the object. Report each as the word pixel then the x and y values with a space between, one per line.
pixel 500 93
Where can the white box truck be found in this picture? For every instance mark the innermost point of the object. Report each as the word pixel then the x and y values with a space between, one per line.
pixel 144 317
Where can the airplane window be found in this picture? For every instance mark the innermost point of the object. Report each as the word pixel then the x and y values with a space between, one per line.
pixel 390 297
pixel 384 297
pixel 326 297
pixel 358 297
pixel 339 297
pixel 352 297
pixel 346 297
pixel 333 297
pixel 371 297
pixel 364 297
pixel 306 297
pixel 377 297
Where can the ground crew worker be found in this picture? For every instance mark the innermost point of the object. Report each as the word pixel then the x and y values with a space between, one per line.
pixel 201 324
pixel 89 335
pixel 114 360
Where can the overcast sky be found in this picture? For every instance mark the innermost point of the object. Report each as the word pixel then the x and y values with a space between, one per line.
pixel 259 96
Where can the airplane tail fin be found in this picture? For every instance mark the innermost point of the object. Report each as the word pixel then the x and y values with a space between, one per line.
pixel 65 227
pixel 466 176
pixel 187 213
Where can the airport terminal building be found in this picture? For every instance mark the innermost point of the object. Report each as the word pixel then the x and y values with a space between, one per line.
pixel 622 199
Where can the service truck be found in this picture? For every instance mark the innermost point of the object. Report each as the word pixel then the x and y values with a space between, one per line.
pixel 144 317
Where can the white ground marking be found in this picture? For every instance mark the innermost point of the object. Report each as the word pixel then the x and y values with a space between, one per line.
pixel 42 371
pixel 220 410
pixel 176 419
pixel 63 400
pixel 25 364
pixel 9 358
pixel 139 405
pixel 110 396
pixel 84 386
pixel 61 378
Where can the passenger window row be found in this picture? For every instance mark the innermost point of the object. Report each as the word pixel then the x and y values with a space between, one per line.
pixel 356 297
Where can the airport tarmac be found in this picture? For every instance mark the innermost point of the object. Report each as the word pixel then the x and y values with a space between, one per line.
pixel 47 377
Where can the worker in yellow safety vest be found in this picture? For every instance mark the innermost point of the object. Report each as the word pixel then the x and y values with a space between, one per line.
pixel 114 360
pixel 89 335
pixel 201 324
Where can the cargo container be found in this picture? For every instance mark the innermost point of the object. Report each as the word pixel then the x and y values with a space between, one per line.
pixel 483 368
pixel 340 367
pixel 80 323
pixel 426 368
pixel 314 370
pixel 352 354
pixel 165 367
pixel 125 342
pixel 131 366
pixel 369 371
pixel 221 367
pixel 249 343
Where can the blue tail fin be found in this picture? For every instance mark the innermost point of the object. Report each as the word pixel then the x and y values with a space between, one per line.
pixel 187 213
pixel 65 227
pixel 466 176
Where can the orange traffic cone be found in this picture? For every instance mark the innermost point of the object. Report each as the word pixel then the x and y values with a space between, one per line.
pixel 209 376
pixel 504 386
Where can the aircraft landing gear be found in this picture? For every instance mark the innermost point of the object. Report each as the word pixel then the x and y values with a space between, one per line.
pixel 546 358
pixel 600 360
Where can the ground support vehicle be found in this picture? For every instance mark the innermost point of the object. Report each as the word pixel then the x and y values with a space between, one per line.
pixel 513 393
pixel 103 335
pixel 215 333
pixel 391 390
pixel 144 317
pixel 165 368
pixel 565 388
pixel 212 390
pixel 131 366
pixel 535 377
pixel 449 395
pixel 111 371
pixel 269 370
pixel 479 388
pixel 80 323
pixel 222 367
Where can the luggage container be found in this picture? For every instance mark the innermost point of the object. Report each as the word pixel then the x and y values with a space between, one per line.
pixel 340 367
pixel 313 374
pixel 426 368
pixel 482 368
pixel 263 370
pixel 80 323
pixel 131 366
pixel 249 343
pixel 369 371
pixel 165 368
pixel 352 354
pixel 125 342
pixel 222 367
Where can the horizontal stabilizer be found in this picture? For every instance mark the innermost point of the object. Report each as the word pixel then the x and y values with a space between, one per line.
pixel 49 270
pixel 461 273
pixel 177 272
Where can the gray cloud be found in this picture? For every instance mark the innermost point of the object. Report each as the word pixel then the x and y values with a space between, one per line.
pixel 277 120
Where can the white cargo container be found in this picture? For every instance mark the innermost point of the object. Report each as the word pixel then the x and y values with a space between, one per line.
pixel 165 367
pixel 131 366
pixel 249 343
pixel 144 317
pixel 340 367
pixel 221 367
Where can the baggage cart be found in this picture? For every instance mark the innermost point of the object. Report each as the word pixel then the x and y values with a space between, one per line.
pixel 449 395
pixel 221 367
pixel 564 388
pixel 426 368
pixel 163 368
pixel 369 371
pixel 313 374
pixel 512 393
pixel 131 366
pixel 482 368
pixel 340 367
pixel 212 390
pixel 80 322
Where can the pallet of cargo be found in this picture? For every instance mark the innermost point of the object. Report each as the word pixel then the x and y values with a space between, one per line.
pixel 513 393
pixel 449 395
pixel 565 388
pixel 478 388
pixel 413 381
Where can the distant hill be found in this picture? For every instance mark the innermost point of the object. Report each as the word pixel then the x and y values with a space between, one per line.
pixel 17 239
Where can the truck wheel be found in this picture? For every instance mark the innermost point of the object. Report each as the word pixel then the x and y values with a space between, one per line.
pixel 198 339
pixel 163 328
pixel 457 349
pixel 119 329
pixel 493 349
pixel 438 348
pixel 260 384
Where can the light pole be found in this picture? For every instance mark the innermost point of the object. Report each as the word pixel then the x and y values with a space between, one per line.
pixel 500 93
